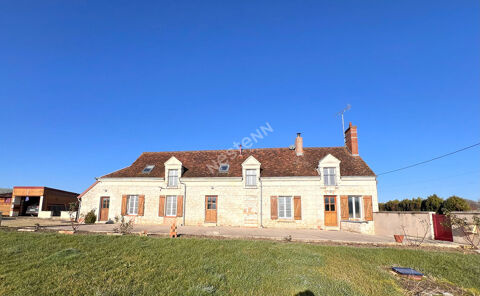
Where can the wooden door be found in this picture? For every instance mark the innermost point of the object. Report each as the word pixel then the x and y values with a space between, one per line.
pixel 104 206
pixel 211 208
pixel 441 229
pixel 330 210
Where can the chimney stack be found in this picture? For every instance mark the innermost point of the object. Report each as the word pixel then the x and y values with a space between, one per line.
pixel 299 145
pixel 351 139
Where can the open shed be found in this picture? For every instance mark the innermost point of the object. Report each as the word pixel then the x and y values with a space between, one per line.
pixel 40 201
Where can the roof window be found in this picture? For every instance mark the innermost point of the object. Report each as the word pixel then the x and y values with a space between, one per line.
pixel 148 169
pixel 223 168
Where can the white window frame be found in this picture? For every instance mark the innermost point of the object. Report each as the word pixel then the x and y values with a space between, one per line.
pixel 171 206
pixel 172 178
pixel 282 203
pixel 353 197
pixel 132 204
pixel 330 176
pixel 251 179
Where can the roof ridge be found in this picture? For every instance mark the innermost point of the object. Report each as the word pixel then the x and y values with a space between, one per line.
pixel 245 149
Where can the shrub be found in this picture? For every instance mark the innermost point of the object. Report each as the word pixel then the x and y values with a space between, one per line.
pixel 433 203
pixel 455 203
pixel 124 226
pixel 90 218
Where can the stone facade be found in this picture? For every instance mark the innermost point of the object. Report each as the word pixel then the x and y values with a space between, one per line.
pixel 237 204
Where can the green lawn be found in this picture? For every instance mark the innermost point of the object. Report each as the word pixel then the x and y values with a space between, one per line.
pixel 53 264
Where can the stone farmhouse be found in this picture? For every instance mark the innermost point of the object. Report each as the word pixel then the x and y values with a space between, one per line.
pixel 314 187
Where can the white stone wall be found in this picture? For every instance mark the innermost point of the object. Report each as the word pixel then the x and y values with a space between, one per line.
pixel 236 204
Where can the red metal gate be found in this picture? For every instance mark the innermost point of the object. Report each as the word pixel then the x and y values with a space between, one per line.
pixel 441 232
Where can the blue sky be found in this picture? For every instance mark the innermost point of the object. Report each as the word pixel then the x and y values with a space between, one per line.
pixel 86 86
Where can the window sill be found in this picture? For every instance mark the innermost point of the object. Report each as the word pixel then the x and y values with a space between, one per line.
pixel 173 187
pixel 170 216
pixel 286 220
pixel 251 187
pixel 355 221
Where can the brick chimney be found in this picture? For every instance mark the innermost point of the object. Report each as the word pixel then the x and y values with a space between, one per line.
pixel 299 145
pixel 351 139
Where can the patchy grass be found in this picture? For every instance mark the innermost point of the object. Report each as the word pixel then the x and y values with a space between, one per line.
pixel 52 264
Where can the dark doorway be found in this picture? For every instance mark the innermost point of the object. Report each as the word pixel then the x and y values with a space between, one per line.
pixel 29 205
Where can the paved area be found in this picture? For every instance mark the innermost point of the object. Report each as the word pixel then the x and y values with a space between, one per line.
pixel 305 235
pixel 30 221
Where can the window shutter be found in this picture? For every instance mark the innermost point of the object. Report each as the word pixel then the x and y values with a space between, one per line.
pixel 141 205
pixel 161 208
pixel 344 206
pixel 367 207
pixel 297 206
pixel 124 205
pixel 179 205
pixel 274 207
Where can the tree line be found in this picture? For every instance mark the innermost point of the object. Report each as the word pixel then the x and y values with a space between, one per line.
pixel 432 203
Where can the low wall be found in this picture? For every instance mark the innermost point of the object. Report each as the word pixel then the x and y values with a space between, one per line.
pixel 390 223
pixel 45 214
pixel 65 215
pixel 458 235
pixel 366 227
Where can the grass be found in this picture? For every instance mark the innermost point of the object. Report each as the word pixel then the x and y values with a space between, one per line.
pixel 53 264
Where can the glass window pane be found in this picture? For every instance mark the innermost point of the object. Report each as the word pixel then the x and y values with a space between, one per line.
pixel 350 207
pixel 326 207
pixel 332 207
pixel 326 200
pixel 332 200
pixel 357 207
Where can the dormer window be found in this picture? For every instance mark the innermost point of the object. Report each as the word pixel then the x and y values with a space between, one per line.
pixel 329 177
pixel 148 169
pixel 172 178
pixel 223 168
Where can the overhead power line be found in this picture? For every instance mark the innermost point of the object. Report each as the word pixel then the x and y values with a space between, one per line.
pixel 438 157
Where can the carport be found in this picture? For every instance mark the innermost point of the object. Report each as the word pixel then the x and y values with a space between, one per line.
pixel 40 201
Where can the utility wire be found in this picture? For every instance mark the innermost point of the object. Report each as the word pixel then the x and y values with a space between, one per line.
pixel 419 163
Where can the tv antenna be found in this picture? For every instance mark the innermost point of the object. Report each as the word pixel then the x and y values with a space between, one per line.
pixel 343 122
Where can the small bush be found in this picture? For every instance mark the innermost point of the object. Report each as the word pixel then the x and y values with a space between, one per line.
pixel 90 218
pixel 124 226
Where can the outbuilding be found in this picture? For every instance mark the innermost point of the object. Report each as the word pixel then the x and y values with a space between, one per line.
pixel 40 201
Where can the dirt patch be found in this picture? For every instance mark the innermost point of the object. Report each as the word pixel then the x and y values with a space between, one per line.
pixel 429 286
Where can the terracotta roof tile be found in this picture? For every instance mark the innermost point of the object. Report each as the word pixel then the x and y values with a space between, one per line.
pixel 275 162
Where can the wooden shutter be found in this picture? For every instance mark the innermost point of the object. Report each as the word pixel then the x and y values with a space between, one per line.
pixel 274 207
pixel 344 206
pixel 297 206
pixel 161 207
pixel 179 205
pixel 141 205
pixel 367 207
pixel 124 205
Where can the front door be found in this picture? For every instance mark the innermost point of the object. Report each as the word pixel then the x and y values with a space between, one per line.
pixel 330 210
pixel 211 208
pixel 104 206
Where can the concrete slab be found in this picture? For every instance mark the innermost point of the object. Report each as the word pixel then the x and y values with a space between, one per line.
pixel 303 235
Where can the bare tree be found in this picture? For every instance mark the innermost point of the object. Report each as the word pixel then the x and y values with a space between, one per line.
pixel 418 239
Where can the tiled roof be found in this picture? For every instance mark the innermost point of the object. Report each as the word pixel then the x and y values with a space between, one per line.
pixel 275 162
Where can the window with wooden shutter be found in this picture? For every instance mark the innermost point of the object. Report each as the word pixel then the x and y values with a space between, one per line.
pixel 344 206
pixel 368 207
pixel 179 205
pixel 297 206
pixel 141 205
pixel 124 205
pixel 161 206
pixel 273 207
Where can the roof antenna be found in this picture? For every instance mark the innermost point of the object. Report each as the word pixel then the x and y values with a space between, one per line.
pixel 343 123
